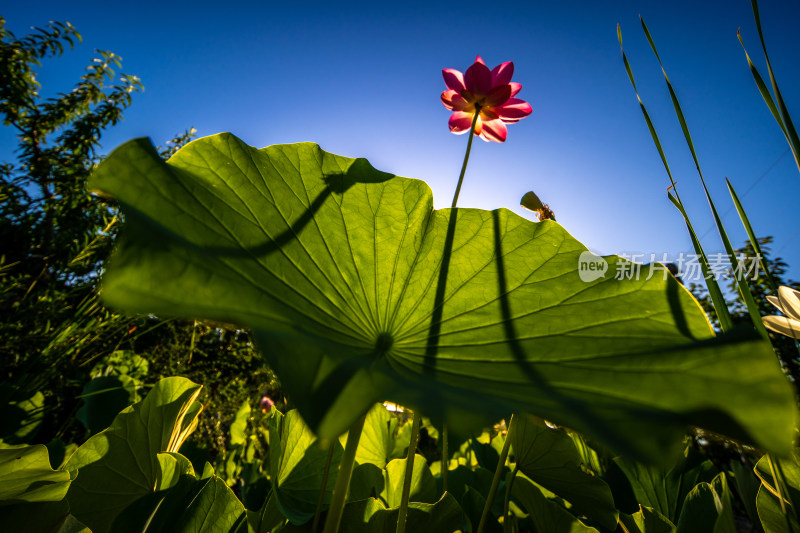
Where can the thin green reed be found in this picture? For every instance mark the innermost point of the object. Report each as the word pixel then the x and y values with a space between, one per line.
pixel 738 268
pixel 713 287
pixel 778 111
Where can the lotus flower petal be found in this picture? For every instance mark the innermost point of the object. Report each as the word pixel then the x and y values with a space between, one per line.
pixel 514 109
pixel 775 301
pixel 460 122
pixel 488 92
pixel 783 325
pixel 454 79
pixel 478 79
pixel 494 130
pixel 497 96
pixel 790 302
pixel 501 74
pixel 455 102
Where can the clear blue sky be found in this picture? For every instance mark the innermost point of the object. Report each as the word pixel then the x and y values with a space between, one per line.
pixel 364 79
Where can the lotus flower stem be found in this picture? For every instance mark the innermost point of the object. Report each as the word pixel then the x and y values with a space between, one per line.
pixel 466 159
pixel 343 479
pixel 445 458
pixel 501 463
pixel 509 483
pixel 412 451
pixel 321 498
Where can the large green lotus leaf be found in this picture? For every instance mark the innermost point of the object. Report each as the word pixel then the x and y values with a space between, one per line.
pixel 26 476
pixel 172 466
pixel 789 470
pixel 746 485
pixel 31 492
pixel 120 464
pixel 190 505
pixel 486 449
pixel 767 502
pixel 370 516
pixel 647 520
pixel 665 489
pixel 368 481
pixel 473 502
pixel 708 508
pixel 546 514
pixel 297 464
pixel 423 486
pixel 103 398
pixel 268 519
pixel 239 425
pixel 548 456
pixel 772 517
pixel 21 414
pixel 379 438
pixel 358 291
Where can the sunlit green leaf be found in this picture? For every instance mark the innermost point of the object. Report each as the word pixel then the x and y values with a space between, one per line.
pixel 120 464
pixel 31 493
pixel 423 487
pixel 239 424
pixel 171 467
pixel 26 476
pixel 357 291
pixel 297 464
pixel 379 438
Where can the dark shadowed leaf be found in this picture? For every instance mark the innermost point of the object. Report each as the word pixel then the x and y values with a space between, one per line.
pixel 370 516
pixel 647 520
pixel 665 489
pixel 546 514
pixel 548 456
pixel 708 508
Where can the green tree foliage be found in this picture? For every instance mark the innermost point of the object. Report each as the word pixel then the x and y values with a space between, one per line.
pixel 54 232
pixel 54 331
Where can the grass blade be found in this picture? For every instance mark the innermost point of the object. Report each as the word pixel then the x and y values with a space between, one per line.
pixel 723 315
pixel 744 287
pixel 762 88
pixel 790 132
pixel 714 291
pixel 752 236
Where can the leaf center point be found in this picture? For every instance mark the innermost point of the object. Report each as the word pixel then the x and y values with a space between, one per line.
pixel 383 343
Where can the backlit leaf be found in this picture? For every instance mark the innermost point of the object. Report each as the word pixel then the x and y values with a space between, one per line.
pixel 357 291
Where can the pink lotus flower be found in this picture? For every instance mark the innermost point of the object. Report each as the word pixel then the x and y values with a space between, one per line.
pixel 486 92
pixel 266 404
